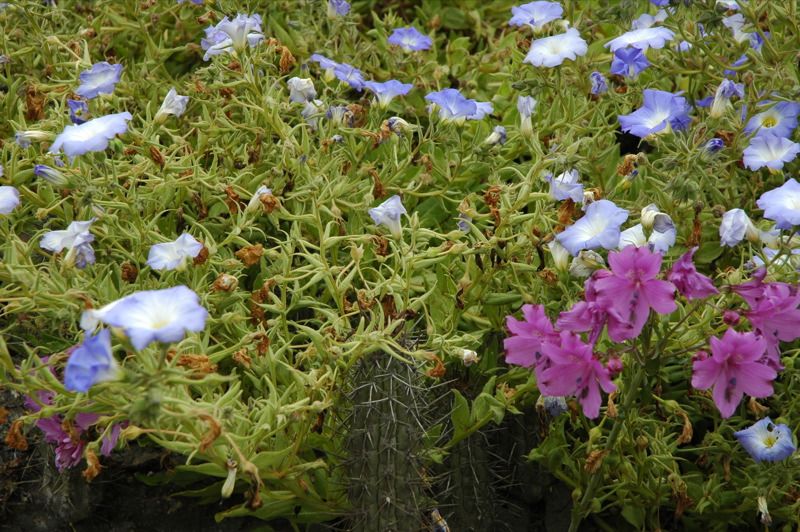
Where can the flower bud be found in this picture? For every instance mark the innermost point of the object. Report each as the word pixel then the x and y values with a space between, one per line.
pixel 230 480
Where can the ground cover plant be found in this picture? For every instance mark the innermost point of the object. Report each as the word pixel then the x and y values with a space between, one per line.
pixel 408 265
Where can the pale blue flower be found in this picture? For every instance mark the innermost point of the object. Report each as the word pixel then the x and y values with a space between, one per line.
pixel 410 39
pixel 452 105
pixel 301 90
pixel 779 120
pixel 90 363
pixel 664 233
pixel 782 205
pixel 525 107
pixel 386 91
pixel 735 23
pixel 735 227
pixel 646 20
pixel 629 62
pixel 152 316
pixel 767 442
pixel 481 110
pixel 311 111
pixel 722 98
pixel 51 175
pixel 76 238
pixel 398 125
pixel 770 151
pixel 632 236
pixel 90 136
pixel 552 51
pixel 350 75
pixel 173 104
pixel 661 111
pixel 338 8
pixel 599 83
pixel 78 111
pixel 535 14
pixel 598 228
pixel 643 39
pixel 173 255
pixel 9 198
pixel 326 64
pixel 566 186
pixel 229 35
pixel 389 213
pixel 100 79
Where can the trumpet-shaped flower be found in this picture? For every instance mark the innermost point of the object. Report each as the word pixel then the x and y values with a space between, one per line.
pixel 661 112
pixel 51 175
pixel 100 79
pixel 229 35
pixel 350 75
pixel 325 64
pixel 690 283
pixel 76 238
pixel 93 135
pixel 632 290
pixel 765 441
pixel 301 90
pixel 78 111
pixel 599 227
pixel 388 213
pixel 629 62
pixel 386 91
pixel 554 50
pixel 173 255
pixel 173 104
pixel 153 315
pixel 779 120
pixel 535 14
pixel 90 363
pixel 655 37
pixel 410 39
pixel 722 98
pixel 452 105
pixel 9 199
pixel 565 186
pixel 782 204
pixel 525 107
pixel 734 368
pixel 771 151
pixel 524 346
pixel 735 227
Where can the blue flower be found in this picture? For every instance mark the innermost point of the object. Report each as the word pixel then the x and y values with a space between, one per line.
pixel 722 98
pixel 90 363
pixel 767 442
pixel 629 62
pixel 770 151
pixel 452 105
pixel 782 204
pixel 535 14
pixel 51 175
pixel 566 186
pixel 481 110
pixel 525 106
pixel 599 227
pixel 728 4
pixel 311 111
pixel 350 75
pixel 195 2
pixel 173 255
pixel 552 51
pixel 410 39
pixel 301 90
pixel 646 20
pixel 386 91
pixel 90 136
pixel 76 238
pixel 714 145
pixel 100 79
pixel 661 112
pixel 388 213
pixel 9 198
pixel 338 8
pixel 599 83
pixel 643 39
pixel 735 23
pixel 152 316
pixel 173 104
pixel 230 35
pixel 660 3
pixel 779 120
pixel 328 65
pixel 497 136
pixel 735 227
pixel 78 110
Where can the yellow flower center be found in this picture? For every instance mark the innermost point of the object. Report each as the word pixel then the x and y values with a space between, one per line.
pixel 769 122
pixel 769 441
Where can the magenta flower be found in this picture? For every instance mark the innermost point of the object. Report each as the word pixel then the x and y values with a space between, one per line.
pixel 735 367
pixel 632 290
pixel 524 346
pixel 587 315
pixel 690 283
pixel 574 370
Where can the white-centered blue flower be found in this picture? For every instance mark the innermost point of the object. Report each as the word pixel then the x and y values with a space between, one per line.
pixel 410 39
pixel 598 228
pixel 655 37
pixel 229 35
pixel 338 8
pixel 173 104
pixel 386 91
pixel 646 20
pixel 389 214
pixel 326 64
pixel 90 363
pixel 661 112
pixel 552 51
pixel 452 105
pixel 769 150
pixel 566 186
pixel 767 442
pixel 90 136
pixel 100 79
pixel 152 316
pixel 735 227
pixel 9 199
pixel 779 120
pixel 76 238
pixel 535 14
pixel 782 205
pixel 301 90
pixel 173 255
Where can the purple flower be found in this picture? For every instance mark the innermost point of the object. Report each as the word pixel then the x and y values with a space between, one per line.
pixel 779 120
pixel 90 363
pixel 661 112
pixel 734 368
pixel 573 370
pixel 535 14
pixel 386 91
pixel 90 136
pixel 388 213
pixel 735 227
pixel 9 199
pixel 76 238
pixel 599 227
pixel 229 35
pixel 690 283
pixel 100 79
pixel 566 186
pixel 524 346
pixel 173 255
pixel 774 313
pixel 338 8
pixel 643 39
pixel 78 110
pixel 452 105
pixel 599 83
pixel 410 39
pixel 51 175
pixel 770 151
pixel 629 62
pixel 782 204
pixel 195 2
pixel 173 104
pixel 767 442
pixel 632 290
pixel 350 75
pixel 152 315
pixel 552 51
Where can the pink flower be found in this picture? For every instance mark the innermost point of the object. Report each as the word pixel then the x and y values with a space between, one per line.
pixel 632 290
pixel 688 281
pixel 574 370
pixel 735 367
pixel 524 347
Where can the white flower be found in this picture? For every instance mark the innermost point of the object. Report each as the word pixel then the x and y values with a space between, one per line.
pixel 173 255
pixel 174 104
pixel 633 236
pixel 388 213
pixel 9 199
pixel 469 357
pixel 643 39
pixel 255 201
pixel 559 253
pixel 76 238
pixel 301 90
pixel 585 263
pixel 552 51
